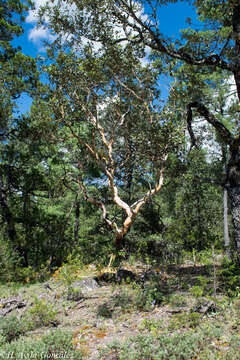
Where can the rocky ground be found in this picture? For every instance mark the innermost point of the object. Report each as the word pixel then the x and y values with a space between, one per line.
pixel 102 308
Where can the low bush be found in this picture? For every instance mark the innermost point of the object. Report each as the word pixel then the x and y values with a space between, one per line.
pixel 41 314
pixel 104 310
pixel 185 320
pixel 54 345
pixel 229 277
pixel 184 345
pixel 11 328
pixel 138 297
pixel 176 300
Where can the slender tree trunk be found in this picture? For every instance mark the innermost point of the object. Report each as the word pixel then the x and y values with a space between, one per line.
pixel 76 225
pixel 225 199
pixel 233 182
pixel 6 212
pixel 225 222
pixel 234 196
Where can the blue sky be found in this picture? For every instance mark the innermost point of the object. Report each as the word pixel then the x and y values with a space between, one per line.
pixel 172 19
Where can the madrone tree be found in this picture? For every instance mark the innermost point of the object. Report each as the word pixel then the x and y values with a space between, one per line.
pixel 215 45
pixel 114 131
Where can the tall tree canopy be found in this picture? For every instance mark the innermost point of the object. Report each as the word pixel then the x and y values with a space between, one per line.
pixel 215 46
pixel 109 114
pixel 18 75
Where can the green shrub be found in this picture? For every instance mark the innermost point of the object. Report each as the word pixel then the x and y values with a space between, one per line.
pixel 42 314
pixel 229 277
pixel 11 328
pixel 54 345
pixel 149 296
pixel 104 310
pixel 123 298
pixel 3 339
pixel 153 325
pixel 136 297
pixel 189 344
pixel 144 347
pixel 203 288
pixel 74 294
pixel 176 300
pixel 185 320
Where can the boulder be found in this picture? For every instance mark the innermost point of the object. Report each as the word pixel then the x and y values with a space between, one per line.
pixel 86 284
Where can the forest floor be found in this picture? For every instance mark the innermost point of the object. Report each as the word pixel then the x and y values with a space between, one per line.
pixel 177 312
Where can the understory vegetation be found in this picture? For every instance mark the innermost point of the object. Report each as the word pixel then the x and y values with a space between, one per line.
pixel 177 312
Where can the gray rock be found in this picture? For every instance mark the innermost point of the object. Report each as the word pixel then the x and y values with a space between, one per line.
pixel 86 284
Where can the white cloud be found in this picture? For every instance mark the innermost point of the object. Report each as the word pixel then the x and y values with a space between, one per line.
pixel 37 34
pixel 32 14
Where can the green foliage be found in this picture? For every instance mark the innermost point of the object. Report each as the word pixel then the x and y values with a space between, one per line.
pixel 42 313
pixel 190 320
pixel 167 249
pixel 48 153
pixel 203 287
pixel 197 291
pixel 66 275
pixel 9 260
pixel 176 300
pixel 152 325
pixel 104 310
pixel 139 298
pixel 2 339
pixel 74 294
pixel 11 328
pixel 142 347
pixel 123 298
pixel 229 277
pixel 57 344
pixel 151 295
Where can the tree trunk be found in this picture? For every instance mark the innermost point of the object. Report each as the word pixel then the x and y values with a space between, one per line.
pixel 234 196
pixel 6 212
pixel 225 223
pixel 76 224
pixel 119 242
pixel 233 183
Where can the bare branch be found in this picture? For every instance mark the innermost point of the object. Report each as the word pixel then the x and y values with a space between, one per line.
pixel 99 204
pixel 152 38
pixel 225 134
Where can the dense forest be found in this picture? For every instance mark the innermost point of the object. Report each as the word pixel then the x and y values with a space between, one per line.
pixel 104 162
